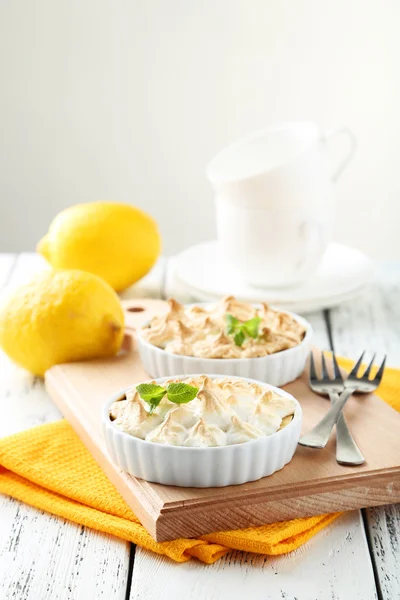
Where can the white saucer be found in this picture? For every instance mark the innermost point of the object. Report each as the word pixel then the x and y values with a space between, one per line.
pixel 343 273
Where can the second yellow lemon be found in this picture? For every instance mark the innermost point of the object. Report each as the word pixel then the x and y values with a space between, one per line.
pixel 60 316
pixel 117 242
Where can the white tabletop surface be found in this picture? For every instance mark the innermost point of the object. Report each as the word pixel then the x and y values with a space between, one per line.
pixel 43 557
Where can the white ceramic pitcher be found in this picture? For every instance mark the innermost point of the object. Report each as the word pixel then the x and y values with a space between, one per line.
pixel 275 202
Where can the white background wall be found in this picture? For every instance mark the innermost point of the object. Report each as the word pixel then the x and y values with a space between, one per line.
pixel 129 99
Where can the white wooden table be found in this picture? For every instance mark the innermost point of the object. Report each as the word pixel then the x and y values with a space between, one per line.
pixel 43 557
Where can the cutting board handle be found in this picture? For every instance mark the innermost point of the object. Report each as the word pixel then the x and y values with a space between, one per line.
pixel 137 312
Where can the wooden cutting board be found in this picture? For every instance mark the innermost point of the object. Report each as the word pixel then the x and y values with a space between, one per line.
pixel 313 483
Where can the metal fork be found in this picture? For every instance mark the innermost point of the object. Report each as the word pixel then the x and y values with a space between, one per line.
pixel 319 435
pixel 347 451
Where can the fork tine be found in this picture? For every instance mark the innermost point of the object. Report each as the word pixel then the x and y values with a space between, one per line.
pixel 368 369
pixel 313 373
pixel 325 374
pixel 378 376
pixel 336 369
pixel 354 370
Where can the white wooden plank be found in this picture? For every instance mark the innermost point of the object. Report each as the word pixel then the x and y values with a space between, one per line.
pixel 43 556
pixel 7 262
pixel 373 323
pixel 320 337
pixel 47 558
pixel 23 399
pixel 26 265
pixel 333 565
pixel 384 530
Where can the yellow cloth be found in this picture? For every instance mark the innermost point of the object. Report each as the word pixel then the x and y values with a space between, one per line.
pixel 49 467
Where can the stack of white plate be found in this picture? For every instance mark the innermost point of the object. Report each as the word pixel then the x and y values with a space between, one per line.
pixel 343 273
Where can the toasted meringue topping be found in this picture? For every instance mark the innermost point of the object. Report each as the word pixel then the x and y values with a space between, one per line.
pixel 242 387
pixel 133 418
pixel 205 435
pixel 280 405
pixel 214 347
pixel 183 415
pixel 202 332
pixel 240 310
pixel 184 332
pixel 239 431
pixel 225 411
pixel 265 418
pixel 176 309
pixel 196 381
pixel 213 408
pixel 118 409
pixel 169 432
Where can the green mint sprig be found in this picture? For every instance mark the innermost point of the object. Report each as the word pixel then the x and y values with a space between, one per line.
pixel 179 393
pixel 240 330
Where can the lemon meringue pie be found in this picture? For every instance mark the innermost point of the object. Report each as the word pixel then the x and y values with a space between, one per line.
pixel 203 331
pixel 223 412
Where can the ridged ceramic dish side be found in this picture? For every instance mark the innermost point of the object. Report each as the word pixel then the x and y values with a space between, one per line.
pixel 202 467
pixel 276 369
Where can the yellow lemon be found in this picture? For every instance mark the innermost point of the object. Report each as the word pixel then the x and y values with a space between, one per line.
pixel 118 242
pixel 58 317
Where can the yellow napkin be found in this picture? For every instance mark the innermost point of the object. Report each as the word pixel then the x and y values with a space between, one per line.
pixel 49 467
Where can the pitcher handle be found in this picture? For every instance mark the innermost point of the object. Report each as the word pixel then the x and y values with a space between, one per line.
pixel 350 152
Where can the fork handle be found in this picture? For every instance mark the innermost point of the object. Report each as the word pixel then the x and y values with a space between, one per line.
pixel 318 436
pixel 347 451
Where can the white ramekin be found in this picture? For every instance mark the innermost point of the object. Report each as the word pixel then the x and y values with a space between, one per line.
pixel 277 369
pixel 202 467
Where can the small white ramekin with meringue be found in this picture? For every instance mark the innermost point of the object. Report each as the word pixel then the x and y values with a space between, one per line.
pixel 228 338
pixel 233 430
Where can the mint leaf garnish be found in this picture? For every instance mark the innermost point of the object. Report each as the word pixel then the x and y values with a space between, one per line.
pixel 251 327
pixel 147 391
pixel 239 338
pixel 240 330
pixel 151 393
pixel 180 393
pixel 233 324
